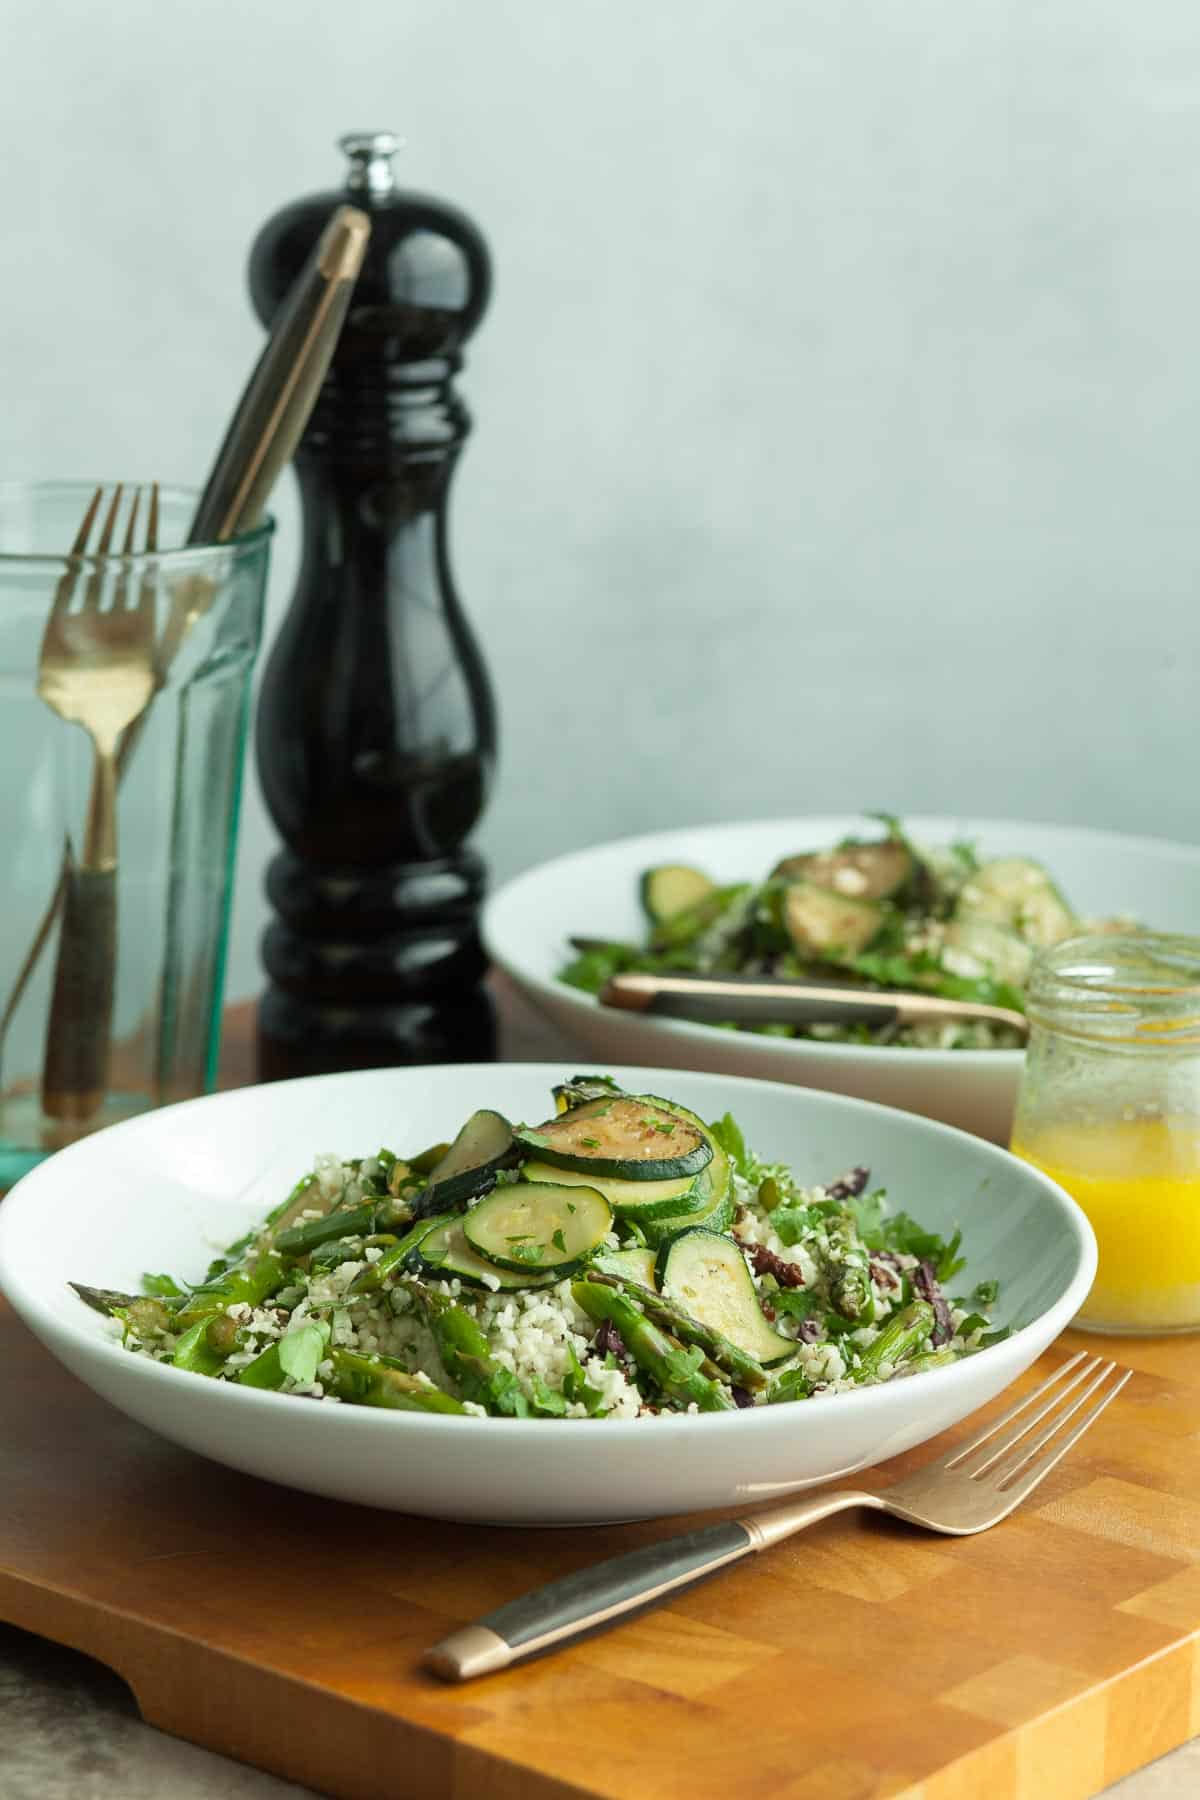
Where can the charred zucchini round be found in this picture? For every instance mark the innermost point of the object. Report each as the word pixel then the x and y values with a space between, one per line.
pixel 623 1136
pixel 538 1226
pixel 706 1275
pixel 636 1200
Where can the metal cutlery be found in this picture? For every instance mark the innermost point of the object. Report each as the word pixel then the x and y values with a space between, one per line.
pixel 765 999
pixel 271 414
pixel 969 1488
pixel 97 669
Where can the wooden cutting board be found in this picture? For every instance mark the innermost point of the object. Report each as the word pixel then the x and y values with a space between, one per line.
pixel 1042 1659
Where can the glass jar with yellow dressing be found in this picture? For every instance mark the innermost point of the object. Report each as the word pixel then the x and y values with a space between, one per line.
pixel 1109 1107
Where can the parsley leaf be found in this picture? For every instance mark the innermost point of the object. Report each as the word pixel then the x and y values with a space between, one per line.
pixel 163 1285
pixel 728 1134
pixel 301 1350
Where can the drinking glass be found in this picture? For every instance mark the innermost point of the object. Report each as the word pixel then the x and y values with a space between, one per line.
pixel 177 808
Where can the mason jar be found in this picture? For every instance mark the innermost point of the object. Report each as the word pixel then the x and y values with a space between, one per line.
pixel 1109 1107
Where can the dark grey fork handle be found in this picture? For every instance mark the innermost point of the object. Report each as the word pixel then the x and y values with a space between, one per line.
pixel 78 1031
pixel 590 1598
pixel 623 1586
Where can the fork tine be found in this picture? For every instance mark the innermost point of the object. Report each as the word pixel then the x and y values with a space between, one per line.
pixel 959 1451
pixel 84 532
pixel 152 526
pixel 1036 1472
pixel 65 591
pixel 998 1448
pixel 1024 1449
pixel 129 529
pixel 95 586
pixel 121 585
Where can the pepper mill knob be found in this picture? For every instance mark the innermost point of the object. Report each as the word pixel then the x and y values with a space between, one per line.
pixel 370 154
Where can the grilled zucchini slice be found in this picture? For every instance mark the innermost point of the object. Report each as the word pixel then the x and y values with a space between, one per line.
pixel 716 1215
pixel 855 871
pixel 445 1253
pixel 826 925
pixel 705 1274
pixel 637 1200
pixel 623 1136
pixel 538 1226
pixel 999 952
pixel 1017 893
pixel 630 1265
pixel 671 888
pixel 482 1148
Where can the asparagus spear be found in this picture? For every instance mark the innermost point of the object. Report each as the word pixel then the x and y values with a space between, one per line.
pixel 898 1339
pixel 850 1274
pixel 934 1359
pixel 465 1356
pixel 368 1280
pixel 721 1356
pixel 675 1369
pixel 381 1381
pixel 252 1281
pixel 141 1315
pixel 375 1214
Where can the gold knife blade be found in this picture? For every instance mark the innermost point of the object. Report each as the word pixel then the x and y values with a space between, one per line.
pixel 765 999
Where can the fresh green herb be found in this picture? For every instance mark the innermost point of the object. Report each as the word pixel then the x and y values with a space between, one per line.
pixel 590 1143
pixel 160 1285
pixel 796 1303
pixel 880 1230
pixel 546 1400
pixel 986 1293
pixel 302 1349
pixel 577 1389
pixel 559 1242
pixel 973 1322
pixel 791 1223
pixel 728 1134
pixel 682 1362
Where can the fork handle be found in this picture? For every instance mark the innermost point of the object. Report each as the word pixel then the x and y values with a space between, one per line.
pixel 624 1585
pixel 78 1030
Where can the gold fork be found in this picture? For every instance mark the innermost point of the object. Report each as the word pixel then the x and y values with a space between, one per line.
pixel 974 1485
pixel 97 670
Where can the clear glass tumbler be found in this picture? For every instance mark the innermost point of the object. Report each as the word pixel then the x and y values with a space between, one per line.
pixel 128 986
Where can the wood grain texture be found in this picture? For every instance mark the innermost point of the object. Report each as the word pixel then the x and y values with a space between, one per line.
pixel 1038 1661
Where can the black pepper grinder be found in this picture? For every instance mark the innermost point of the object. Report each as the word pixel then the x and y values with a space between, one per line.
pixel 376 732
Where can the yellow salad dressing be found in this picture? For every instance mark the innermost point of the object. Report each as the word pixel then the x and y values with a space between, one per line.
pixel 1138 1181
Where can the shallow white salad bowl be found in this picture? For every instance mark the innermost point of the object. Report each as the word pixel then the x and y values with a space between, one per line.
pixel 594 893
pixel 164 1191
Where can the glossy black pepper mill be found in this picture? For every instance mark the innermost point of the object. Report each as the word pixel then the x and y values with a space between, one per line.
pixel 376 730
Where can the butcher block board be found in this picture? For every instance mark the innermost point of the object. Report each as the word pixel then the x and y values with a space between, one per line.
pixel 1038 1661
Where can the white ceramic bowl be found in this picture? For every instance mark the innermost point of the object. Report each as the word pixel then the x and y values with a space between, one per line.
pixel 164 1190
pixel 594 893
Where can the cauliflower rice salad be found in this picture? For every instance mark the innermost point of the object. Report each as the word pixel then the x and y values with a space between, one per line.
pixel 620 1260
pixel 875 913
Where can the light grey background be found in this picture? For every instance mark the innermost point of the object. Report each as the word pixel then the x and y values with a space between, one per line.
pixel 838 412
